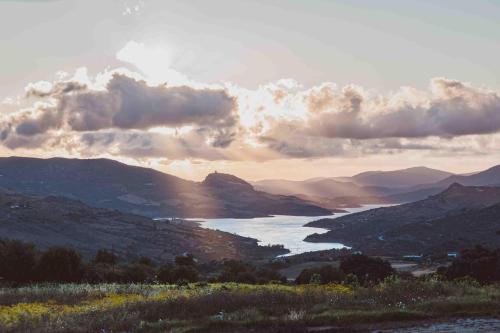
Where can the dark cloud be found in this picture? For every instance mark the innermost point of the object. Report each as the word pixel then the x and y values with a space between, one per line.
pixel 59 88
pixel 49 118
pixel 131 104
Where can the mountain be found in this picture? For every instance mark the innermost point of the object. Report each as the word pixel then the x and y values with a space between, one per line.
pixel 371 230
pixel 338 193
pixel 364 188
pixel 61 221
pixel 400 178
pixel 236 197
pixel 110 184
pixel 489 177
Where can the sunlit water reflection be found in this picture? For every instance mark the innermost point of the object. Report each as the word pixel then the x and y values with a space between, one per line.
pixel 280 229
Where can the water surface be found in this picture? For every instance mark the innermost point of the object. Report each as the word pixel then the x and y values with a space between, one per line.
pixel 281 229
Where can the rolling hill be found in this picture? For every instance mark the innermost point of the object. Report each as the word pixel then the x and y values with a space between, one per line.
pixel 58 221
pixel 110 184
pixel 375 230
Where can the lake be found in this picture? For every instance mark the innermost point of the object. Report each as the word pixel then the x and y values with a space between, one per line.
pixel 281 229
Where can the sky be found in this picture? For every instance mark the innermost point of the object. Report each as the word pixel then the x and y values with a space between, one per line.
pixel 260 89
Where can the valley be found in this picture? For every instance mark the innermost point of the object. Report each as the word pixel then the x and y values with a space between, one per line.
pixel 312 215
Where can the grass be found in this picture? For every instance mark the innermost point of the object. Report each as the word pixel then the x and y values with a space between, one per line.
pixel 234 307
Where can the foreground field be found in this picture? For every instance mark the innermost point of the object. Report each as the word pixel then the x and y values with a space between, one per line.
pixel 240 308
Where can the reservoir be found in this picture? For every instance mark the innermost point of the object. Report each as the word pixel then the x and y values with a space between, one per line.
pixel 280 229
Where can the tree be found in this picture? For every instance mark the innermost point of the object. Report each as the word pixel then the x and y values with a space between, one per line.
pixel 104 256
pixel 366 269
pixel 478 263
pixel 138 273
pixel 185 273
pixel 146 261
pixel 165 273
pixel 237 271
pixel 324 274
pixel 265 275
pixel 170 273
pixel 17 261
pixel 60 264
pixel 185 260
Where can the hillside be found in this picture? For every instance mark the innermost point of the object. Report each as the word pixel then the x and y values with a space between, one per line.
pixel 451 233
pixel 369 229
pixel 490 176
pixel 110 184
pixel 60 221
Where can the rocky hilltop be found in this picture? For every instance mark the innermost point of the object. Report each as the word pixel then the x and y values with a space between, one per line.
pixel 65 222
pixel 110 184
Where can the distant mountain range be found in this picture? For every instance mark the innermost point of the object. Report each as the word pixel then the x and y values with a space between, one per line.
pixel 110 184
pixel 489 177
pixel 400 178
pixel 457 217
pixel 398 186
pixel 61 221
pixel 364 188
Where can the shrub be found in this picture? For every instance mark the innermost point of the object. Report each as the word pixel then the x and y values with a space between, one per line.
pixel 237 271
pixel 324 274
pixel 478 263
pixel 104 256
pixel 366 269
pixel 137 273
pixel 265 275
pixel 185 260
pixel 169 273
pixel 165 274
pixel 60 264
pixel 103 273
pixel 186 273
pixel 17 261
pixel 146 261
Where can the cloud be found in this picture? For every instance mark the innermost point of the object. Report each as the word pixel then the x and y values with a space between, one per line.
pixel 127 104
pixel 124 115
pixel 453 109
pixel 132 8
pixel 131 104
pixel 46 89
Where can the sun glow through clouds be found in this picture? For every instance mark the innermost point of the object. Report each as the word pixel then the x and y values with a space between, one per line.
pixel 154 62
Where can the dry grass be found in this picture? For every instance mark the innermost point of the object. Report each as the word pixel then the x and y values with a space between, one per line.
pixel 234 307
